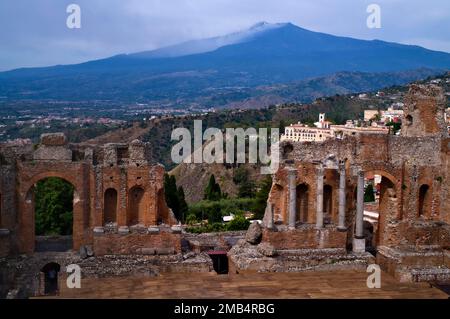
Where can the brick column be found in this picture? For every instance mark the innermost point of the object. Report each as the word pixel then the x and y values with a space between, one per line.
pixel 269 210
pixel 319 212
pixel 292 197
pixel 341 222
pixel 359 242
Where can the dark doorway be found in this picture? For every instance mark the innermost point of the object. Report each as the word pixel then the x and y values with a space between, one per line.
pixel 327 203
pixel 424 200
pixel 110 205
pixel 136 205
pixel 220 261
pixel 302 203
pixel 51 271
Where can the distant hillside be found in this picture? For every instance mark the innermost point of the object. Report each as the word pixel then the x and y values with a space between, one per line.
pixel 266 64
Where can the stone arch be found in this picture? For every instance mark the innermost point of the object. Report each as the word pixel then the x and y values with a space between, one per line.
pixel 136 205
pixel 110 206
pixel 303 202
pixel 425 200
pixel 42 242
pixel 387 206
pixel 26 205
pixel 1 210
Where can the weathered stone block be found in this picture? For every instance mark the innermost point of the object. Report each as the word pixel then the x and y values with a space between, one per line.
pixel 266 249
pixel 99 230
pixel 153 230
pixel 359 245
pixel 52 153
pixel 124 230
pixel 165 251
pixel 146 251
pixel 53 139
pixel 176 229
pixel 254 234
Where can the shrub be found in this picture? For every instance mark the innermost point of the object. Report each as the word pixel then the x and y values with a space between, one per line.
pixel 369 194
pixel 238 223
pixel 191 219
pixel 215 210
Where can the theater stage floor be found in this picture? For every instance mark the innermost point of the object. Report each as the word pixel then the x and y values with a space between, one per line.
pixel 338 284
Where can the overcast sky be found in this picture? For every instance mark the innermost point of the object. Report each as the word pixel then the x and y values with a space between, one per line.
pixel 34 33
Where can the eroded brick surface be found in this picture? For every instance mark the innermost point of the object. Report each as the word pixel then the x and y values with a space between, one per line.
pixel 114 184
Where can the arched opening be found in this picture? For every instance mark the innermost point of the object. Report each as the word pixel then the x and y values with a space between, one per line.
pixel 302 203
pixel 53 214
pixel 424 200
pixel 1 203
pixel 327 203
pixel 110 202
pixel 162 215
pixel 136 206
pixel 220 261
pixel 50 277
pixel 379 190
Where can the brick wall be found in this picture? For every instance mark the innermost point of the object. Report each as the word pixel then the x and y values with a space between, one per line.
pixel 161 243
pixel 305 238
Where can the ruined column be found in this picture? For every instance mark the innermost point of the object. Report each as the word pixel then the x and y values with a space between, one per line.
pixel 359 242
pixel 341 223
pixel 319 213
pixel 292 197
pixel 270 217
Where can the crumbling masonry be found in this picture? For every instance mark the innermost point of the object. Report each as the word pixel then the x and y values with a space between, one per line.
pixel 314 216
pixel 118 205
pixel 317 196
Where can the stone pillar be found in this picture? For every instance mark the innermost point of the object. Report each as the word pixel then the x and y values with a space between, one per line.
pixel 292 196
pixel 270 217
pixel 319 212
pixel 341 222
pixel 359 242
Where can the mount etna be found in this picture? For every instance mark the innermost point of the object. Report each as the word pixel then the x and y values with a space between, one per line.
pixel 266 64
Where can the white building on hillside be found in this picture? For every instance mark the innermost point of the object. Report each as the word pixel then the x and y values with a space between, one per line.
pixel 324 130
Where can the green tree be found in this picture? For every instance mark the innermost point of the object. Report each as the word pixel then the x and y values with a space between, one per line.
pixel 54 207
pixel 262 196
pixel 246 186
pixel 246 189
pixel 282 126
pixel 191 219
pixel 369 195
pixel 171 194
pixel 175 197
pixel 396 126
pixel 212 190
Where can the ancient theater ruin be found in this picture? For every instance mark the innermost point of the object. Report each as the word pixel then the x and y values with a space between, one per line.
pixel 118 196
pixel 314 217
pixel 315 209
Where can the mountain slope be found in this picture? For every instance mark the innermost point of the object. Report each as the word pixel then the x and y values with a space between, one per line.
pixel 187 73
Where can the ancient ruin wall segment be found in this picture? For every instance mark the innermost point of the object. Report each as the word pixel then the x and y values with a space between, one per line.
pixel 115 177
pixel 414 210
